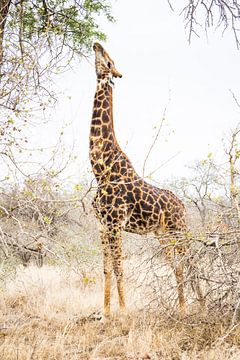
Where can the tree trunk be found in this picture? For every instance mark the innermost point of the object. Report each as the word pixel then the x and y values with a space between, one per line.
pixel 4 9
pixel 234 196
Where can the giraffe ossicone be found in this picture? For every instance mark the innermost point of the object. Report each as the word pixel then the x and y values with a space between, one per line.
pixel 124 201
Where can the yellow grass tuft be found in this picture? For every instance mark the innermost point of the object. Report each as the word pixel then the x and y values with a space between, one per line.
pixel 47 313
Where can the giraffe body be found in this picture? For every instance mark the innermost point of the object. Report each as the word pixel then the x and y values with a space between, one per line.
pixel 124 201
pixel 141 207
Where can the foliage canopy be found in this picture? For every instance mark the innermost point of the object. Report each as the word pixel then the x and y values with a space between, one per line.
pixel 39 37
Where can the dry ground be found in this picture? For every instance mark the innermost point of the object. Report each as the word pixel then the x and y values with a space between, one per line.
pixel 47 313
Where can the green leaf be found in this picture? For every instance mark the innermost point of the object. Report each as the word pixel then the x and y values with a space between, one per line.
pixel 78 187
pixel 47 220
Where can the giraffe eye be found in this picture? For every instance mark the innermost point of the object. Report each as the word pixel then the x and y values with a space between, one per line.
pixel 109 65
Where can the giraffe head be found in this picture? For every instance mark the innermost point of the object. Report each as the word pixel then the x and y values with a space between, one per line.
pixel 105 67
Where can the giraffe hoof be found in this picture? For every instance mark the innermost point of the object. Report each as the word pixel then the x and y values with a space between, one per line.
pixel 96 316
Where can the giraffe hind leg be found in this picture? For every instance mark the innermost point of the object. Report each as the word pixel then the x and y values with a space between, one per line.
pixel 195 283
pixel 178 269
pixel 179 274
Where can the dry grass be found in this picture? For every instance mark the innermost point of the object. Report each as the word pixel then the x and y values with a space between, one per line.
pixel 46 313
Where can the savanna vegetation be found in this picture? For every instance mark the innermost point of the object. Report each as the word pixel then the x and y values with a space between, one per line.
pixel 51 281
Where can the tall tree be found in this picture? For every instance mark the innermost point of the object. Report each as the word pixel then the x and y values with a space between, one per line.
pixel 39 38
pixel 38 35
pixel 233 158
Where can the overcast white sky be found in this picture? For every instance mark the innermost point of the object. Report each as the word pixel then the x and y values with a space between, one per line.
pixel 149 45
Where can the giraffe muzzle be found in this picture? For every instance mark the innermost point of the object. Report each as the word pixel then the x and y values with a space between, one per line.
pixel 116 74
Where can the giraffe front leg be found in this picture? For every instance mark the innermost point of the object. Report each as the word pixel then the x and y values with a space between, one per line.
pixel 116 250
pixel 107 269
pixel 107 293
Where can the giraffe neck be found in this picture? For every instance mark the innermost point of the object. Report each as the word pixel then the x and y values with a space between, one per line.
pixel 106 156
pixel 102 118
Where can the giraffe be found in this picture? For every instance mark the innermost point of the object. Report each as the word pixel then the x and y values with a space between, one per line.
pixel 124 201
